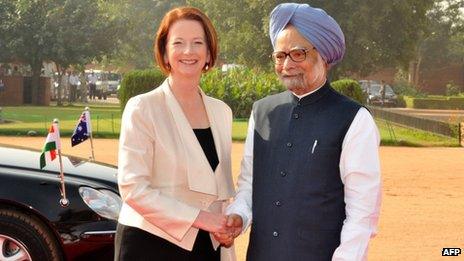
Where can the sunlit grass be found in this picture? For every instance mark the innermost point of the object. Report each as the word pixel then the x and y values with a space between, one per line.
pixel 106 122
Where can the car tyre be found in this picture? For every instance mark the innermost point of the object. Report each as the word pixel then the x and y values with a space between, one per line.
pixel 32 237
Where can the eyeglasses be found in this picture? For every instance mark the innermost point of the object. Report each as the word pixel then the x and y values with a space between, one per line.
pixel 296 55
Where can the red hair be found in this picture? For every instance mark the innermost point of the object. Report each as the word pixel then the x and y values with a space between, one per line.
pixel 187 13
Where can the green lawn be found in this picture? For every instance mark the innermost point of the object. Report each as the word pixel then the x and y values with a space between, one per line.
pixel 404 136
pixel 106 122
pixel 106 119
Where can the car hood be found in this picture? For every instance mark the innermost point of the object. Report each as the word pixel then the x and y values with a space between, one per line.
pixel 72 166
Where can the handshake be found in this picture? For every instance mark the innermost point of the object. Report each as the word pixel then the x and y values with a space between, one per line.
pixel 231 228
pixel 224 228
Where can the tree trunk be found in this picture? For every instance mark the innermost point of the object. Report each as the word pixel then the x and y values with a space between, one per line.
pixel 417 72
pixel 83 87
pixel 411 70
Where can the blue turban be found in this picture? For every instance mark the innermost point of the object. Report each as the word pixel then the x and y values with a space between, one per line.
pixel 319 28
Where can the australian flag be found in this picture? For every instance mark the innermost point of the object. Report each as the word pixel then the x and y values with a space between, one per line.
pixel 82 130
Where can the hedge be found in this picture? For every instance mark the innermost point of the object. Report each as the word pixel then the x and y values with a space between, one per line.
pixel 435 102
pixel 350 88
pixel 138 82
pixel 239 87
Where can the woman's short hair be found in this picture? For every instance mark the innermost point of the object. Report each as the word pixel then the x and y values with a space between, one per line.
pixel 184 13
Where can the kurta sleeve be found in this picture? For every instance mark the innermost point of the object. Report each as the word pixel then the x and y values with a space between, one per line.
pixel 360 174
pixel 242 200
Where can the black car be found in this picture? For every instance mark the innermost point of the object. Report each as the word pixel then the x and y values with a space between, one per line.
pixel 33 224
pixel 376 97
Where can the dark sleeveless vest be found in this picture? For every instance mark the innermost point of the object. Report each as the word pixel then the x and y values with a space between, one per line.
pixel 298 198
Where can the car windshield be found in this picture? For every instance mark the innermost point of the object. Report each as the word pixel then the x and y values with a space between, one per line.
pixel 114 77
pixel 375 89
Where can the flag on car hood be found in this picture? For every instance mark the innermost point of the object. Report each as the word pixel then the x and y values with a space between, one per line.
pixel 52 144
pixel 82 130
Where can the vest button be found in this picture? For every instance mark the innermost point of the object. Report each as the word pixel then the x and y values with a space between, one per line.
pixel 289 144
pixel 283 173
pixel 296 116
pixel 275 234
pixel 277 203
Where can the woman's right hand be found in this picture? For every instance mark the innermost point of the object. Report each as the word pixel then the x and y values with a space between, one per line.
pixel 211 222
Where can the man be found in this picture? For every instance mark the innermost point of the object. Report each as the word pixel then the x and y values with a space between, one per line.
pixel 310 167
pixel 73 83
pixel 92 85
pixel 2 85
pixel 382 92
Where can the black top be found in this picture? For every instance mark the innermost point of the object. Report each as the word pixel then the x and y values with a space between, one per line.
pixel 205 137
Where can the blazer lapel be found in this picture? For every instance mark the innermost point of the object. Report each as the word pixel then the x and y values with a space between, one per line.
pixel 219 128
pixel 200 175
pixel 214 126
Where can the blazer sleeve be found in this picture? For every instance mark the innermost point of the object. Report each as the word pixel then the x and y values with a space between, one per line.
pixel 135 161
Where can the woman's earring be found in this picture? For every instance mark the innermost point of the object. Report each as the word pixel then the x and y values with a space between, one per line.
pixel 206 67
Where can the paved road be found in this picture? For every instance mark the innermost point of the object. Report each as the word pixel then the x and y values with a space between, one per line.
pixel 422 209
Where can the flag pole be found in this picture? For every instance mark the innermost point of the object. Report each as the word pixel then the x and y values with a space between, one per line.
pixel 64 202
pixel 91 138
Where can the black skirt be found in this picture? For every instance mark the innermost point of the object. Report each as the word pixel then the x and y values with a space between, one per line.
pixel 134 244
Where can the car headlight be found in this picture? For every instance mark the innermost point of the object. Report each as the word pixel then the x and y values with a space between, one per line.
pixel 104 202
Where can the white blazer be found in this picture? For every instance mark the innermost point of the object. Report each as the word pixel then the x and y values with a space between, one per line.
pixel 164 176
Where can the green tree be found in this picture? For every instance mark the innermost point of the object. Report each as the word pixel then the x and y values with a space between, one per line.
pixel 6 8
pixel 444 41
pixel 85 30
pixel 143 18
pixel 242 28
pixel 64 31
pixel 378 33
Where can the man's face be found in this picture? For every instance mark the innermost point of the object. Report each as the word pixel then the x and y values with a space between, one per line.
pixel 299 77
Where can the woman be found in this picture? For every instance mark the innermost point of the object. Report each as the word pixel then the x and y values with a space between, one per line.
pixel 174 153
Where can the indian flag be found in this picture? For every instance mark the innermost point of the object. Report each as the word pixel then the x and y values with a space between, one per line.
pixel 52 144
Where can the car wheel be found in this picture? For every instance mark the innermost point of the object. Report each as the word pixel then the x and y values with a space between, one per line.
pixel 24 237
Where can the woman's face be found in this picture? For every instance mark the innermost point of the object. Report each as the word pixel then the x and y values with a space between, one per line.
pixel 186 49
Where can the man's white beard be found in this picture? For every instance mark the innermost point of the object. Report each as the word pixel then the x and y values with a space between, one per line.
pixel 295 84
pixel 301 84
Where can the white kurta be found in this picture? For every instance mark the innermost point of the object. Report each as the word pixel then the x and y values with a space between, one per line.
pixel 360 174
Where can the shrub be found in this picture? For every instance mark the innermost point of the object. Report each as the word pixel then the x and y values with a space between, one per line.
pixel 406 89
pixel 401 86
pixel 401 102
pixel 240 88
pixel 350 88
pixel 137 82
pixel 452 89
pixel 435 102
